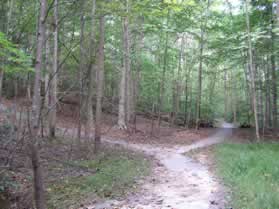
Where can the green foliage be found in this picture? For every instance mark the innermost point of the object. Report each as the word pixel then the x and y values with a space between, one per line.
pixel 14 60
pixel 252 172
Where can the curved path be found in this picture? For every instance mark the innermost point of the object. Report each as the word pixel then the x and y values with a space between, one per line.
pixel 178 181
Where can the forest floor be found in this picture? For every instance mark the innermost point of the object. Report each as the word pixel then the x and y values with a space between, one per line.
pixel 75 177
pixel 177 181
pixel 183 173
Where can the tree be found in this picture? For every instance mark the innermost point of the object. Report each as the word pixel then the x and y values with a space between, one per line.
pixel 90 92
pixel 124 103
pixel 40 200
pixel 81 70
pixel 201 47
pixel 252 71
pixel 100 83
pixel 54 75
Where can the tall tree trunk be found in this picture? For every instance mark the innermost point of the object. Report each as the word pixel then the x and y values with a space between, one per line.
pixel 248 91
pixel 1 79
pixel 140 45
pixel 53 81
pixel 199 96
pixel 234 98
pixel 260 97
pixel 273 76
pixel 176 105
pixel 81 69
pixel 198 106
pixel 225 94
pixel 90 91
pixel 40 200
pixel 48 69
pixel 124 91
pixel 252 71
pixel 162 82
pixel 38 179
pixel 100 84
pixel 36 102
pixel 267 97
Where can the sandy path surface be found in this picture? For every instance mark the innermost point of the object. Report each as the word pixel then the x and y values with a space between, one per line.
pixel 178 181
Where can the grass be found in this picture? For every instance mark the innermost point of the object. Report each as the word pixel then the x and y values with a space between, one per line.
pixel 116 175
pixel 252 173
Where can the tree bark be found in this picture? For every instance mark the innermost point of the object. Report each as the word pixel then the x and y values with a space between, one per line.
pixel 100 84
pixel 36 103
pixel 225 95
pixel 267 97
pixel 124 86
pixel 162 83
pixel 273 76
pixel 235 98
pixel 80 73
pixel 252 71
pixel 136 88
pixel 40 200
pixel 90 92
pixel 1 80
pixel 198 106
pixel 54 76
pixel 48 69
pixel 177 88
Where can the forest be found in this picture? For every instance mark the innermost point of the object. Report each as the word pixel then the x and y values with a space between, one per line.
pixel 140 104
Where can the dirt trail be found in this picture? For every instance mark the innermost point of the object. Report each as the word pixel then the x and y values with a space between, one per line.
pixel 178 181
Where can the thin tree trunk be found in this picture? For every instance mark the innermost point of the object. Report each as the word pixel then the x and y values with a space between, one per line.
pixel 123 100
pixel 53 82
pixel 127 65
pixel 198 106
pixel 225 94
pixel 80 75
pixel 90 92
pixel 260 98
pixel 176 105
pixel 235 99
pixel 252 70
pixel 1 80
pixel 273 79
pixel 189 116
pixel 162 83
pixel 100 84
pixel 48 71
pixel 40 200
pixel 267 97
pixel 36 103
pixel 136 88
pixel 248 92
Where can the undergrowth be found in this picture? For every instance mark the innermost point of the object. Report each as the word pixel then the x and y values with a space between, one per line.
pixel 252 173
pixel 116 174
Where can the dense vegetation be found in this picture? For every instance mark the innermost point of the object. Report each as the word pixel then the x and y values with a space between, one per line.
pixel 186 62
pixel 188 58
pixel 251 171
